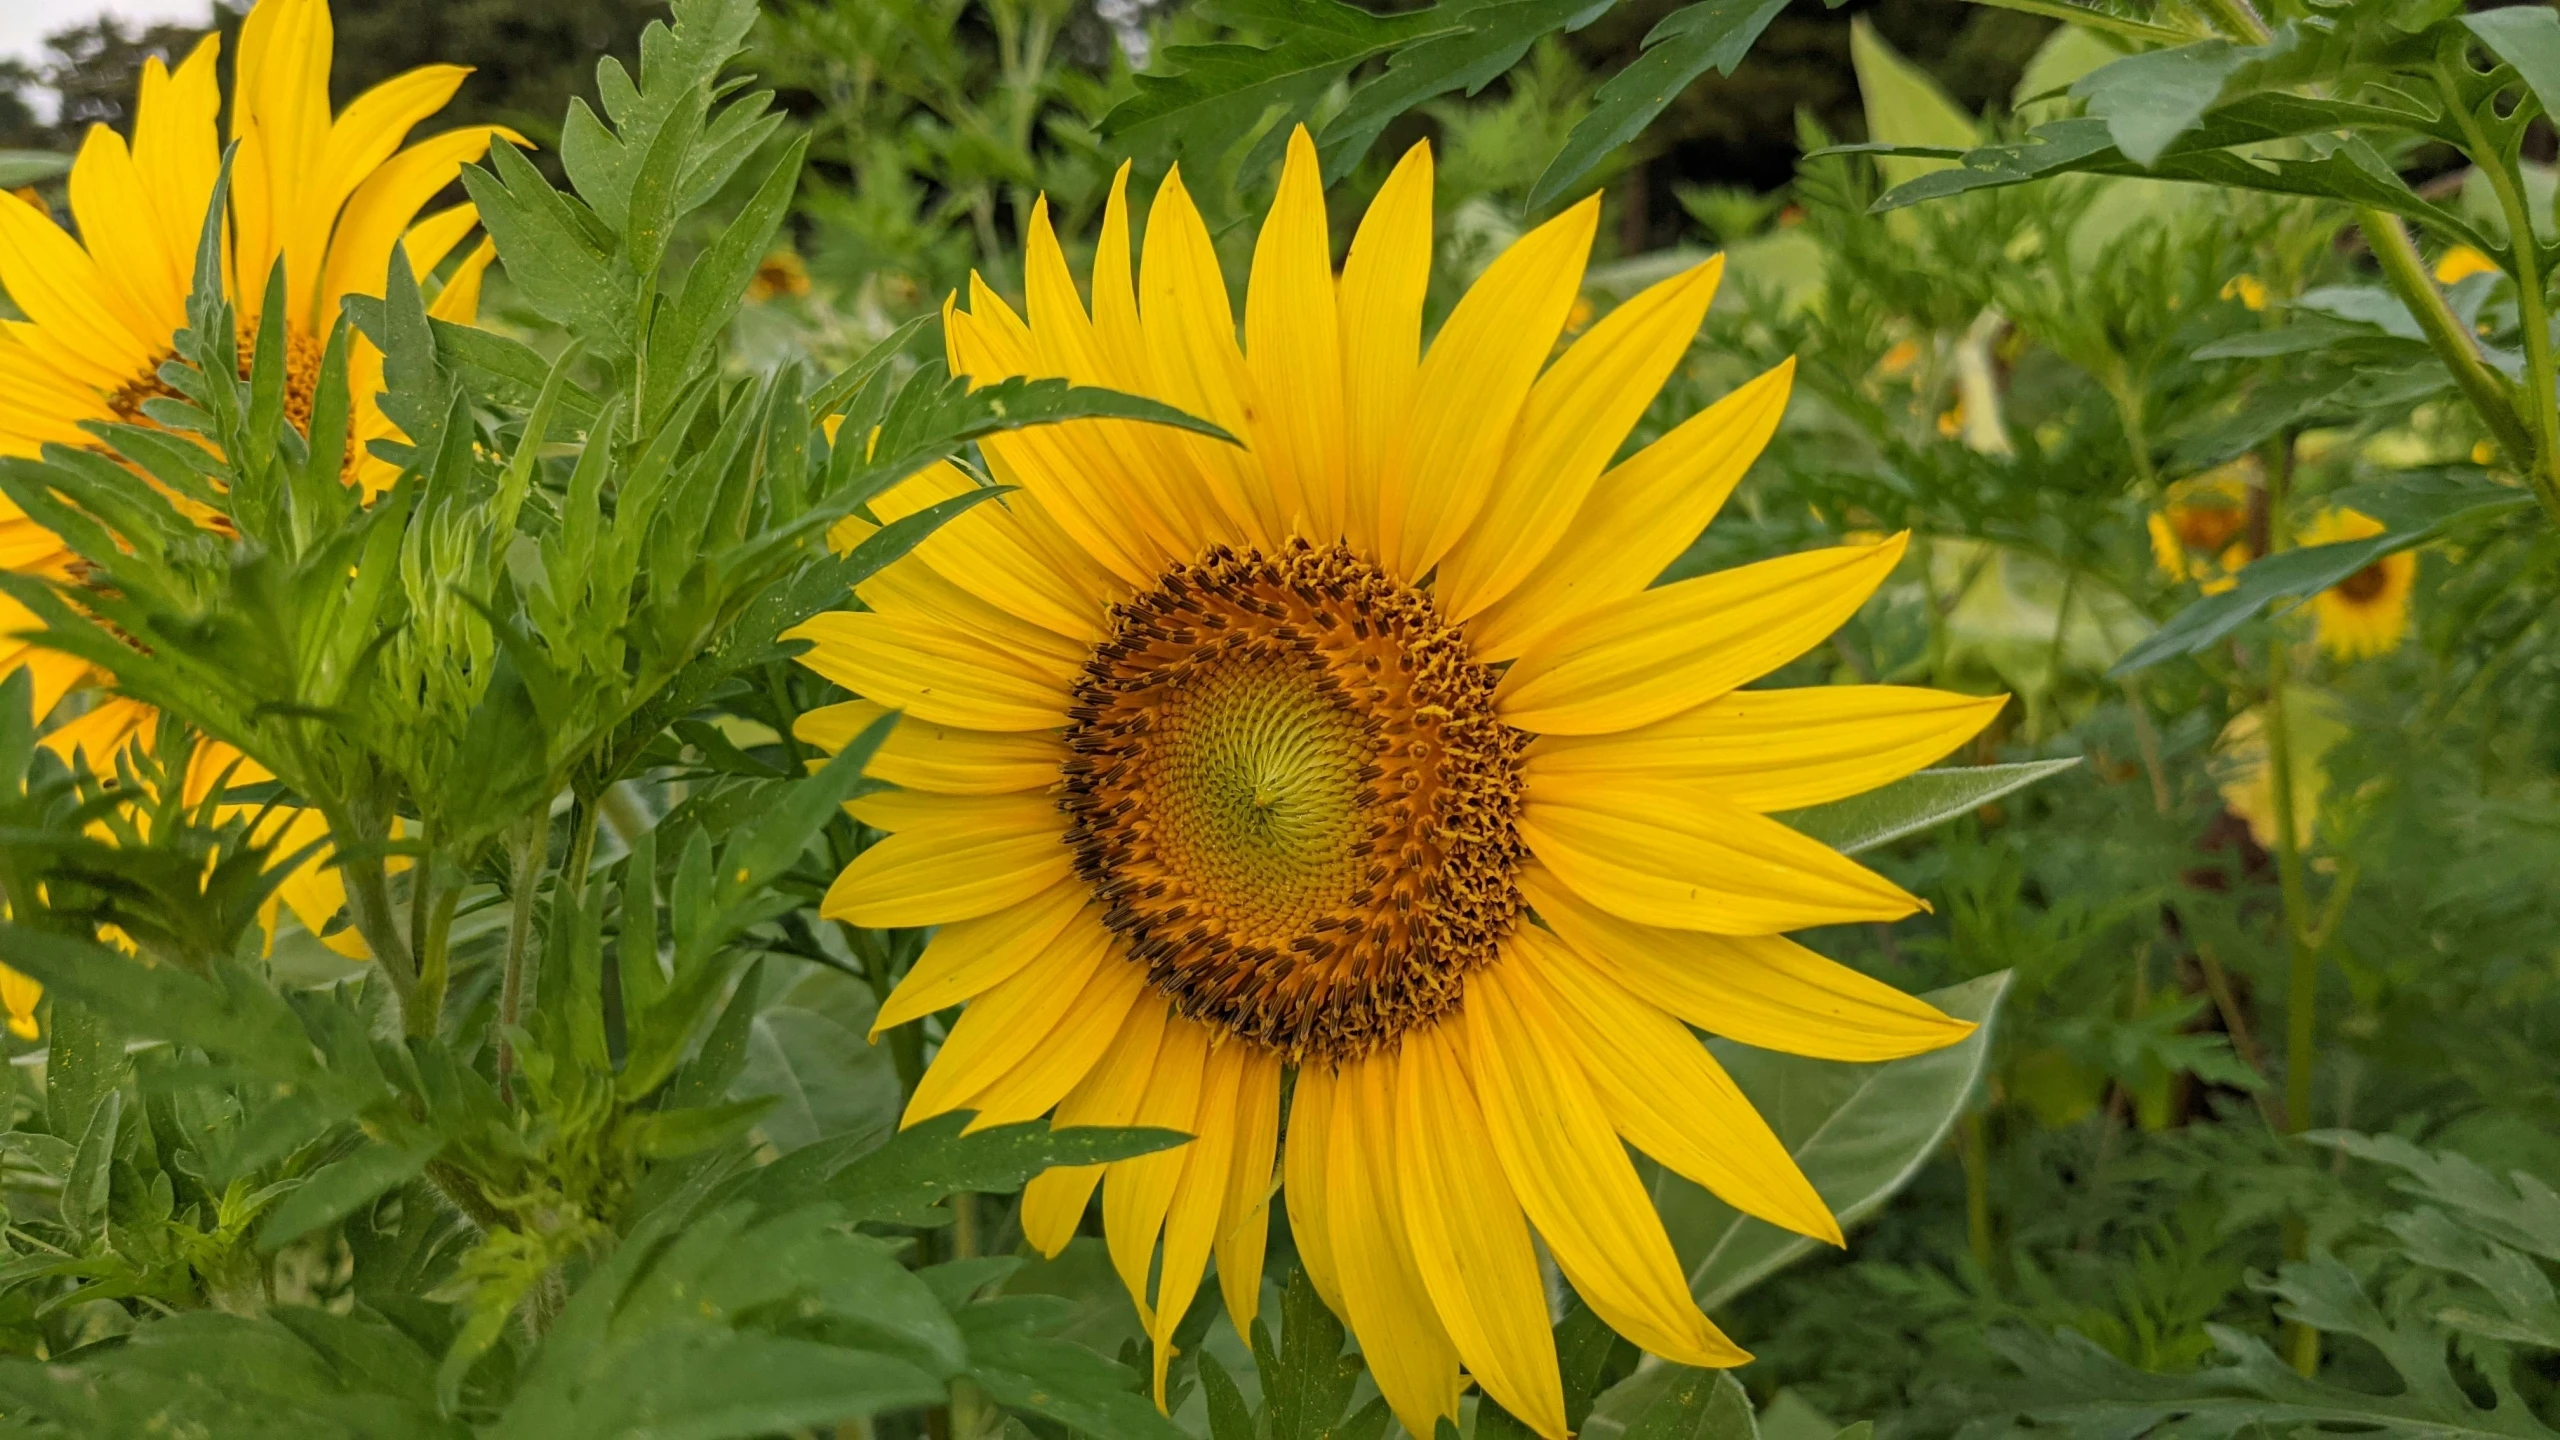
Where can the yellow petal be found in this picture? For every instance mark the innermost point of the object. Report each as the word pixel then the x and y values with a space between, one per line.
pixel 1763 990
pixel 1191 1218
pixel 1562 1155
pixel 1137 1192
pixel 1191 335
pixel 20 995
pixel 942 759
pixel 1380 297
pixel 1640 517
pixel 1470 1241
pixel 1061 1059
pixel 1777 749
pixel 459 300
pixel 1244 1217
pixel 1409 1352
pixel 1441 463
pixel 933 874
pixel 58 287
pixel 177 150
pixel 960 817
pixel 1294 344
pixel 1053 1203
pixel 1666 650
pixel 933 674
pixel 1303 1184
pixel 1008 552
pixel 1684 859
pixel 137 280
pixel 1577 415
pixel 280 113
pixel 1668 1096
pixel 968 957
pixel 1004 1028
pixel 433 237
pixel 362 140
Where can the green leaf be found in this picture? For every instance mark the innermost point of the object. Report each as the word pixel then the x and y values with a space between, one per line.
pixel 1485 41
pixel 676 64
pixel 1859 1131
pixel 1059 1380
pixel 1690 41
pixel 335 1190
pixel 84 1189
pixel 2296 576
pixel 828 1080
pixel 1916 802
pixel 773 844
pixel 2528 38
pixel 2150 99
pixel 1203 102
pixel 900 1182
pixel 1904 104
pixel 1675 1402
pixel 1229 1417
pixel 30 167
pixel 1308 1383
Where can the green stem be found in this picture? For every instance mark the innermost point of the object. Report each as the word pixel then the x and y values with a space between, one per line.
pixel 2453 343
pixel 369 900
pixel 2541 395
pixel 434 952
pixel 525 851
pixel 2238 20
pixel 582 849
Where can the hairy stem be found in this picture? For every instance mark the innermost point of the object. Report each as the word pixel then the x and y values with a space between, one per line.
pixel 2454 344
pixel 526 845
pixel 2541 395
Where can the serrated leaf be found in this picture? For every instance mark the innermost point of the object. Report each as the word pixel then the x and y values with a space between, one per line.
pixel 1061 1381
pixel 1485 40
pixel 1675 1402
pixel 2528 38
pixel 1916 802
pixel 900 1182
pixel 1690 41
pixel 2149 100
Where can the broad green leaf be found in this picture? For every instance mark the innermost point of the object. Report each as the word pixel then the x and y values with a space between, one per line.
pixel 1485 41
pixel 827 1080
pixel 84 1058
pixel 1059 1380
pixel 1859 1131
pixel 1675 1402
pixel 84 1189
pixel 1904 105
pixel 2150 99
pixel 1307 1382
pixel 900 1182
pixel 2297 575
pixel 1687 43
pixel 1916 802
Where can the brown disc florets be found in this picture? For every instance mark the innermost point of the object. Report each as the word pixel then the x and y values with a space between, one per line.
pixel 1290 792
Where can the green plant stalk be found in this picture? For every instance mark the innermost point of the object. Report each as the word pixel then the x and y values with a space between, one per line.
pixel 2455 345
pixel 435 943
pixel 369 903
pixel 525 849
pixel 2542 381
pixel 2238 20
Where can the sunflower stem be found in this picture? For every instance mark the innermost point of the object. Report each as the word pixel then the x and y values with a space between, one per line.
pixel 2455 345
pixel 525 852
pixel 2542 383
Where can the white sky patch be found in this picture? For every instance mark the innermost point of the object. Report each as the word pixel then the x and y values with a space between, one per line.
pixel 25 23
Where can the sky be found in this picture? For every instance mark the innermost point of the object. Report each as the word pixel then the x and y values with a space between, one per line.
pixel 25 23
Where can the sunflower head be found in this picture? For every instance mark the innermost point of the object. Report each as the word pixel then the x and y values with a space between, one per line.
pixel 1365 749
pixel 2200 532
pixel 2366 614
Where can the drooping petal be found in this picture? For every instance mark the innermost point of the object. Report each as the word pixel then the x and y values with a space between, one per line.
pixel 1441 462
pixel 1562 1155
pixel 1470 1242
pixel 1244 1216
pixel 968 957
pixel 1668 1096
pixel 1293 345
pixel 1577 415
pixel 1777 749
pixel 1054 1202
pixel 1137 1192
pixel 1004 1028
pixel 1639 517
pixel 1303 1165
pixel 1191 1217
pixel 1671 649
pixel 1763 990
pixel 1409 1352
pixel 1060 1060
pixel 1380 295
pixel 1684 859
pixel 934 674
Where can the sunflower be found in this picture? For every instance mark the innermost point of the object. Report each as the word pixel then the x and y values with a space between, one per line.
pixel 2201 532
pixel 1354 773
pixel 2367 613
pixel 324 197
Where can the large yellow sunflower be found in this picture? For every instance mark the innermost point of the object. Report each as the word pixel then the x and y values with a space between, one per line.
pixel 325 197
pixel 1363 753
pixel 2366 614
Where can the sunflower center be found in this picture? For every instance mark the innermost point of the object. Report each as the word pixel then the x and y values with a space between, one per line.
pixel 2364 585
pixel 303 355
pixel 1290 792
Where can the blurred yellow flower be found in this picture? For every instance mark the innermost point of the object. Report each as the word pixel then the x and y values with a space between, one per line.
pixel 2200 533
pixel 2367 613
pixel 2248 783
pixel 2461 262
pixel 780 273
pixel 19 995
pixel 2249 290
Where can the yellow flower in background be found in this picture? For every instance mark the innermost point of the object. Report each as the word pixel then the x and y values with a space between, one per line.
pixel 781 273
pixel 327 197
pixel 2366 614
pixel 2249 290
pixel 2248 781
pixel 19 996
pixel 2201 532
pixel 1364 750
pixel 2462 262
